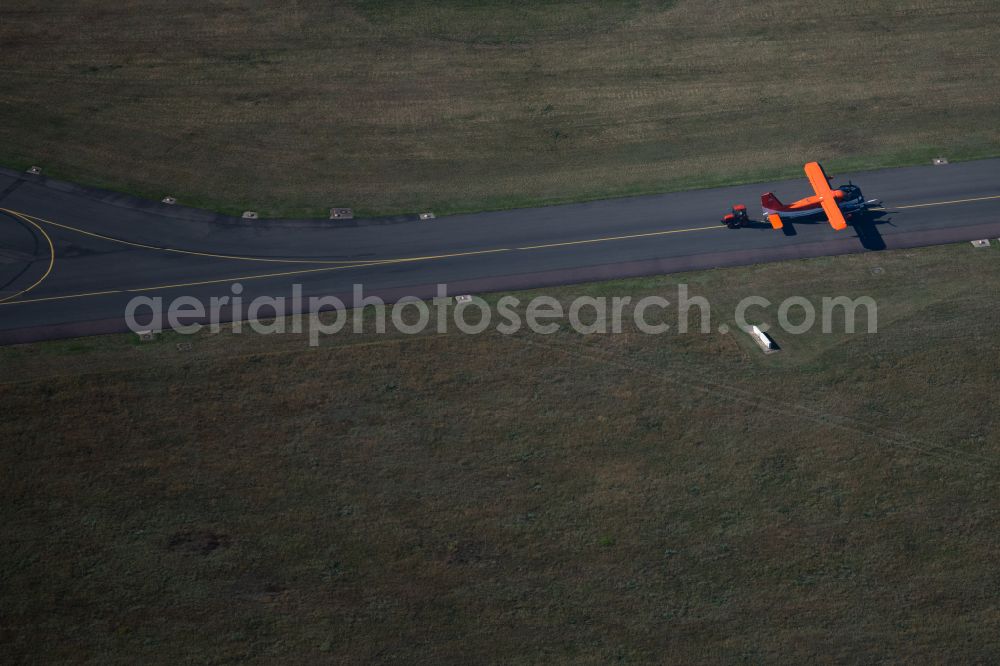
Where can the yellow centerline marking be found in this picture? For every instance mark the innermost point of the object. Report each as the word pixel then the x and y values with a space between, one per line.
pixel 614 238
pixel 244 278
pixel 65 297
pixel 322 262
pixel 403 260
pixel 52 257
pixel 944 203
pixel 325 264
pixel 196 253
pixel 304 271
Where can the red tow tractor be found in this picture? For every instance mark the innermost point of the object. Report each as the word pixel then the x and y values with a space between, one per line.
pixel 736 219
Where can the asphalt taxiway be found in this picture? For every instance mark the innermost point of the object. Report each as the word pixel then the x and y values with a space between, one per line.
pixel 72 257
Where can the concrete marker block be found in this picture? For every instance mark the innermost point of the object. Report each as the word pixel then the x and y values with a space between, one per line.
pixel 983 242
pixel 35 171
pixel 762 339
pixel 250 215
pixel 341 214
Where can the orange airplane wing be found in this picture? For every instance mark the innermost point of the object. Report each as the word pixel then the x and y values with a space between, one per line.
pixel 833 214
pixel 821 185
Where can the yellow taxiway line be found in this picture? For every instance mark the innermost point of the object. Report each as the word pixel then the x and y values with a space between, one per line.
pixel 52 258
pixel 330 265
pixel 945 203
pixel 196 253
pixel 615 238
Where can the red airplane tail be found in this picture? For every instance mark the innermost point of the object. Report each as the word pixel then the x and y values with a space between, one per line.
pixel 770 202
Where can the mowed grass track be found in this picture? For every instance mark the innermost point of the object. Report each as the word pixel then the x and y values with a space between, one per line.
pixel 396 106
pixel 520 499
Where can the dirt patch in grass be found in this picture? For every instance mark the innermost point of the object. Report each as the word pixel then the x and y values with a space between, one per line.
pixel 446 106
pixel 198 543
pixel 520 498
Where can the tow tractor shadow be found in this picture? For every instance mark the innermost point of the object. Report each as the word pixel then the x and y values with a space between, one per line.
pixel 754 224
pixel 865 225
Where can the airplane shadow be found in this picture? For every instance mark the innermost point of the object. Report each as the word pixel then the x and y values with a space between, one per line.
pixel 865 225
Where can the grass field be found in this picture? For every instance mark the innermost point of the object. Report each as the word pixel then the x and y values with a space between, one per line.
pixel 520 499
pixel 394 105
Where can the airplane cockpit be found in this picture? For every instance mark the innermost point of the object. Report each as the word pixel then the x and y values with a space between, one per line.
pixel 851 192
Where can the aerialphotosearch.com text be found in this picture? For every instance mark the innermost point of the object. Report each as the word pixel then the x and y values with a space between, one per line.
pixel 321 316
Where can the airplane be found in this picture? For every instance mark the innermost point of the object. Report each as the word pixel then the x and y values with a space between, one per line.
pixel 837 204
